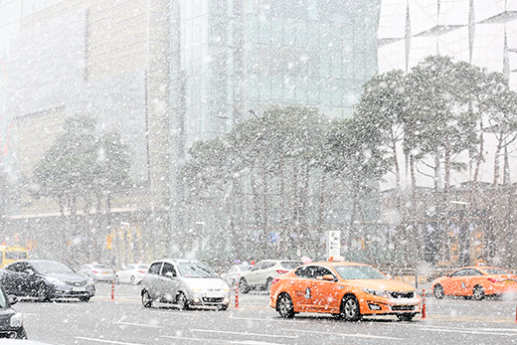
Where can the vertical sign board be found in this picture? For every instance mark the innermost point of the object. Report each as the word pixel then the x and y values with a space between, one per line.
pixel 333 244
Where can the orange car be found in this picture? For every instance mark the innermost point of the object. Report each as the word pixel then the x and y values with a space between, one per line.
pixel 345 289
pixel 476 282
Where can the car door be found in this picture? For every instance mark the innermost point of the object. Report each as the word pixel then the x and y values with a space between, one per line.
pixel 456 282
pixel 472 278
pixel 302 287
pixel 254 274
pixel 29 280
pixel 11 277
pixel 152 279
pixel 168 282
pixel 324 292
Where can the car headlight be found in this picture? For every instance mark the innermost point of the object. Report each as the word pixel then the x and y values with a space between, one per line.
pixel 16 320
pixel 226 288
pixel 375 292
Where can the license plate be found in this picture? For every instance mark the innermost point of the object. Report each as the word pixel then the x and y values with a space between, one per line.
pixel 510 281
pixel 78 288
pixel 105 273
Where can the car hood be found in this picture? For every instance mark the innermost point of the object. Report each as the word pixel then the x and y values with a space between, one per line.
pixel 68 277
pixel 205 283
pixel 382 284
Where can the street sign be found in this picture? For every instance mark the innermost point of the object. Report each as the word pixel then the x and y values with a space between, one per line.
pixel 333 244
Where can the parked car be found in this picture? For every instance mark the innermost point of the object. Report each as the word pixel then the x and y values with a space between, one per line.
pixel 98 272
pixel 263 272
pixel 346 289
pixel 475 282
pixel 45 280
pixel 132 274
pixel 184 283
pixel 231 277
pixel 11 322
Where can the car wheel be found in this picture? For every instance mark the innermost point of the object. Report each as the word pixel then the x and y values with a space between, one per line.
pixel 478 293
pixel 222 307
pixel 438 291
pixel 147 301
pixel 243 286
pixel 43 294
pixel 284 306
pixel 133 280
pixel 182 301
pixel 406 317
pixel 350 309
pixel 84 298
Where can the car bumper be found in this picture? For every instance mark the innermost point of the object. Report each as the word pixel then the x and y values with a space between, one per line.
pixel 390 306
pixel 13 333
pixel 73 292
pixel 208 301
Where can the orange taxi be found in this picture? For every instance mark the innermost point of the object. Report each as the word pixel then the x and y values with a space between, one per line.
pixel 346 289
pixel 476 282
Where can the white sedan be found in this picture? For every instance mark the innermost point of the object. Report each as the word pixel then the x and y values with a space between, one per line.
pixel 131 274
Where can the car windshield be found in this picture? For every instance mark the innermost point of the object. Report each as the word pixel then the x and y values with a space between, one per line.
pixel 359 272
pixel 51 267
pixel 495 271
pixel 196 270
pixel 243 268
pixel 291 264
pixel 100 267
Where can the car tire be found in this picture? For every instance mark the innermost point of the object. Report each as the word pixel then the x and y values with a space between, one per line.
pixel 350 309
pixel 133 280
pixel 406 316
pixel 438 291
pixel 243 286
pixel 43 293
pixel 284 306
pixel 147 301
pixel 182 301
pixel 85 298
pixel 222 307
pixel 478 293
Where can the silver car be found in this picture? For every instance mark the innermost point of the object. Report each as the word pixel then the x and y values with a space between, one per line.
pixel 185 283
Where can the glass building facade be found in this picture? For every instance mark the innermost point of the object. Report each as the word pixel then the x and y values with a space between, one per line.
pixel 481 32
pixel 237 56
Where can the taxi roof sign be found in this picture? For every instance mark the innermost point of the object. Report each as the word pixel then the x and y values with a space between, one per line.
pixel 337 259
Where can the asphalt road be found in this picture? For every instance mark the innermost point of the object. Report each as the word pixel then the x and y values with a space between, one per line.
pixel 124 321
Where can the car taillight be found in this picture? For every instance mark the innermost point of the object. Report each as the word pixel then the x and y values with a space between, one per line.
pixel 95 272
pixel 282 271
pixel 276 280
pixel 493 280
pixel 143 272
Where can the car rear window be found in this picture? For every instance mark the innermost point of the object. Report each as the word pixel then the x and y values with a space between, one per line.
pixel 359 272
pixel 291 264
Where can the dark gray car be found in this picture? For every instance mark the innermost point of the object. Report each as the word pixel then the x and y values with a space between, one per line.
pixel 185 283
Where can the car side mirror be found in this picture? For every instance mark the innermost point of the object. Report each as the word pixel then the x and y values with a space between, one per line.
pixel 12 300
pixel 448 275
pixel 329 277
pixel 389 276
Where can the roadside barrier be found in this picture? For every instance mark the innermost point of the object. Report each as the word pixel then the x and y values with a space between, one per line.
pixel 237 295
pixel 113 289
pixel 423 305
